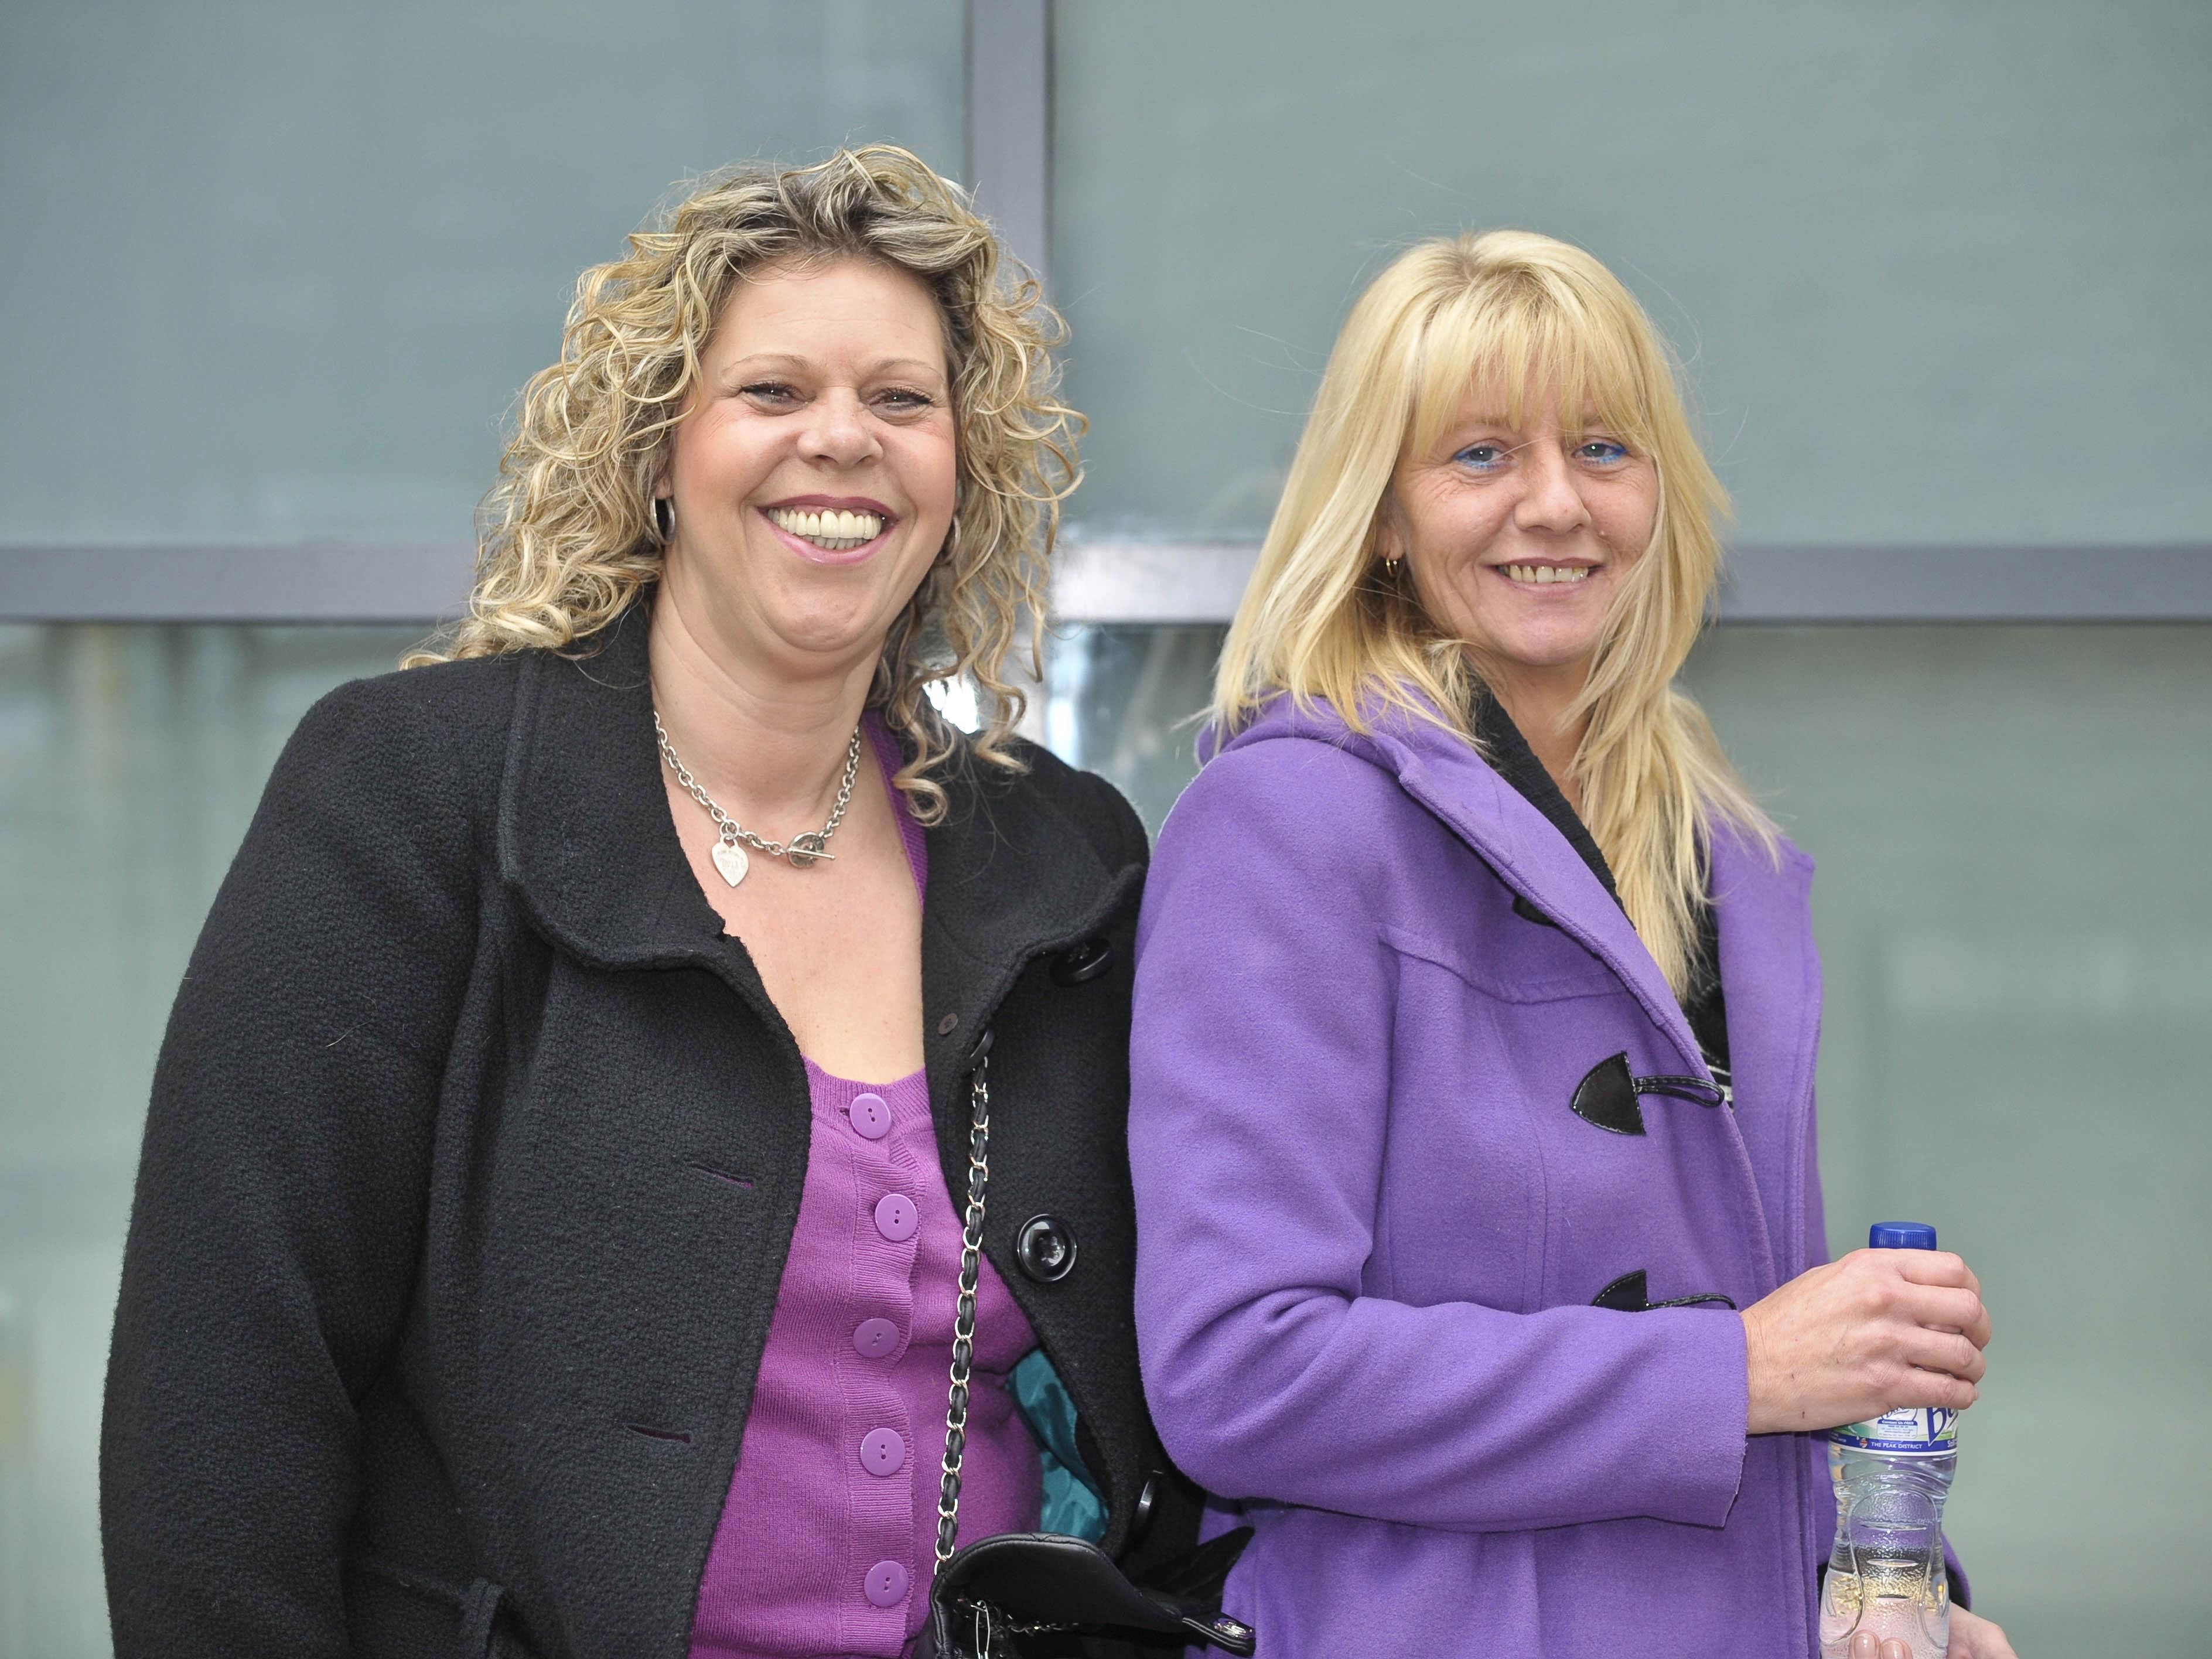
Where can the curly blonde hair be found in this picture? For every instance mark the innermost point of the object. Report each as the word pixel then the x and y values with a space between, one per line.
pixel 567 539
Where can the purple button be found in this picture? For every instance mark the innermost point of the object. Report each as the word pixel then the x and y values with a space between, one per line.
pixel 883 1452
pixel 875 1339
pixel 895 1217
pixel 872 1118
pixel 885 1585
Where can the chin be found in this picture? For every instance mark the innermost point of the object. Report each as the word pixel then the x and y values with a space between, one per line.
pixel 830 624
pixel 1549 649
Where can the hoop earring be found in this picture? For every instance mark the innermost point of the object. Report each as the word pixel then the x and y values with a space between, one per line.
pixel 663 518
pixel 1390 567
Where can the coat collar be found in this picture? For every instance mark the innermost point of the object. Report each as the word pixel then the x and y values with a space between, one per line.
pixel 1769 971
pixel 1450 778
pixel 585 838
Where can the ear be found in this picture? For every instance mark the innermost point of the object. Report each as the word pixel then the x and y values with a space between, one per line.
pixel 1389 529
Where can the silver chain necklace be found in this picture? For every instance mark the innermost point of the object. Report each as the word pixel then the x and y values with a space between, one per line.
pixel 730 857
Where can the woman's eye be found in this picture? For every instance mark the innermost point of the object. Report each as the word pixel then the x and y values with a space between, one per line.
pixel 1603 450
pixel 1483 458
pixel 769 391
pixel 904 400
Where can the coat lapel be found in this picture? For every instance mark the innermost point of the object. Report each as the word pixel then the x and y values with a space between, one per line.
pixel 584 838
pixel 1445 773
pixel 1768 974
pixel 1010 877
pixel 1770 978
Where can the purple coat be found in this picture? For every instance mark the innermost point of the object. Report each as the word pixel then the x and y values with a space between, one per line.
pixel 1373 1221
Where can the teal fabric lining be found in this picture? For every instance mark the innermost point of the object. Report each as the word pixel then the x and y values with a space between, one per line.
pixel 1073 1505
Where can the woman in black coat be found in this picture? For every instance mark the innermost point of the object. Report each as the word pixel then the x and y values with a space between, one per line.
pixel 508 1083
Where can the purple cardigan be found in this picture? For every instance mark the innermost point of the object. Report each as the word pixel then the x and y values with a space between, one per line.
pixel 1373 1221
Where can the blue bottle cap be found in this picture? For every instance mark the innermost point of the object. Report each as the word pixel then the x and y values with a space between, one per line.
pixel 1900 1235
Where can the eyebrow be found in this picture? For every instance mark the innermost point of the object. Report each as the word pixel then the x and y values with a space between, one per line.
pixel 760 360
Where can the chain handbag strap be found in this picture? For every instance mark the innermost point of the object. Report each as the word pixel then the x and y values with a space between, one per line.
pixel 988 1624
pixel 963 1315
pixel 965 1308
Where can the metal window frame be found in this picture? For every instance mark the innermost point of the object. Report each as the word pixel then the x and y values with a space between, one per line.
pixel 1132 581
pixel 1009 151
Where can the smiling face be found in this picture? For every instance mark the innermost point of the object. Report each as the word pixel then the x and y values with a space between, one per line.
pixel 1517 536
pixel 814 470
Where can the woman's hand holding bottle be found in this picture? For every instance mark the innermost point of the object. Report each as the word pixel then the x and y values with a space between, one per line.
pixel 1863 1334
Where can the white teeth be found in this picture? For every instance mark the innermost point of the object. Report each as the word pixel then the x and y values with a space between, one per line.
pixel 830 528
pixel 1539 574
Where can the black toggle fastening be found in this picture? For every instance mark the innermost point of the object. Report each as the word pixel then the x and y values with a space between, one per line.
pixel 1631 1293
pixel 1683 1088
pixel 981 1048
pixel 1607 1096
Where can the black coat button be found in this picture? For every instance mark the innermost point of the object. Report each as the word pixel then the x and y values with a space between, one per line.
pixel 1045 1249
pixel 1083 964
pixel 1147 1510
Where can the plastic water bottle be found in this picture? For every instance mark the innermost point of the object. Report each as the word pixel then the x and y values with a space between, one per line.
pixel 1891 1473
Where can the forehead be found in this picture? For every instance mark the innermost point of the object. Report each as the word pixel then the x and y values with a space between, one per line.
pixel 1541 409
pixel 847 308
pixel 1529 395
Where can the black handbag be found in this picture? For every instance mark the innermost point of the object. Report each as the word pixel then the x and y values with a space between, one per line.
pixel 1039 1594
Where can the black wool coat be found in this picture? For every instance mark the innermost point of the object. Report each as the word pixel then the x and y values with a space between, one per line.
pixel 475 1152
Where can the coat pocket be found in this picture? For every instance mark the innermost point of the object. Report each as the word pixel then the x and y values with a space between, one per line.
pixel 1546 965
pixel 481 1630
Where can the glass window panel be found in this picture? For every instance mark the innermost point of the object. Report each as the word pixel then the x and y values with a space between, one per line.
pixel 2015 911
pixel 1937 270
pixel 2015 920
pixel 1123 701
pixel 276 270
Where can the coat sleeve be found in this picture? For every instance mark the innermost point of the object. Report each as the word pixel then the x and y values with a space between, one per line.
pixel 282 1187
pixel 1261 1104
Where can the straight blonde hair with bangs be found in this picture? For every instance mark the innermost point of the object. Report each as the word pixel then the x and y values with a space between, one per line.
pixel 1527 320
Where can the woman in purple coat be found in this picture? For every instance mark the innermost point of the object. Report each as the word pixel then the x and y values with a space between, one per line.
pixel 1481 1266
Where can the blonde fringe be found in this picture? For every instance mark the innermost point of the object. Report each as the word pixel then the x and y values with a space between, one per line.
pixel 1321 620
pixel 567 540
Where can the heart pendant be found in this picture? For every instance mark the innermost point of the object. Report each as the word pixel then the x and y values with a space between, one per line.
pixel 730 858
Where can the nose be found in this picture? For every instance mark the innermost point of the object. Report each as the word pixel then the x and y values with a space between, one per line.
pixel 837 430
pixel 1550 500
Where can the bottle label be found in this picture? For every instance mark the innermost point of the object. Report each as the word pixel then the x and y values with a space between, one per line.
pixel 1929 1430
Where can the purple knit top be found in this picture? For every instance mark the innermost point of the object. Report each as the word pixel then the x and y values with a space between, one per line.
pixel 826 1542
